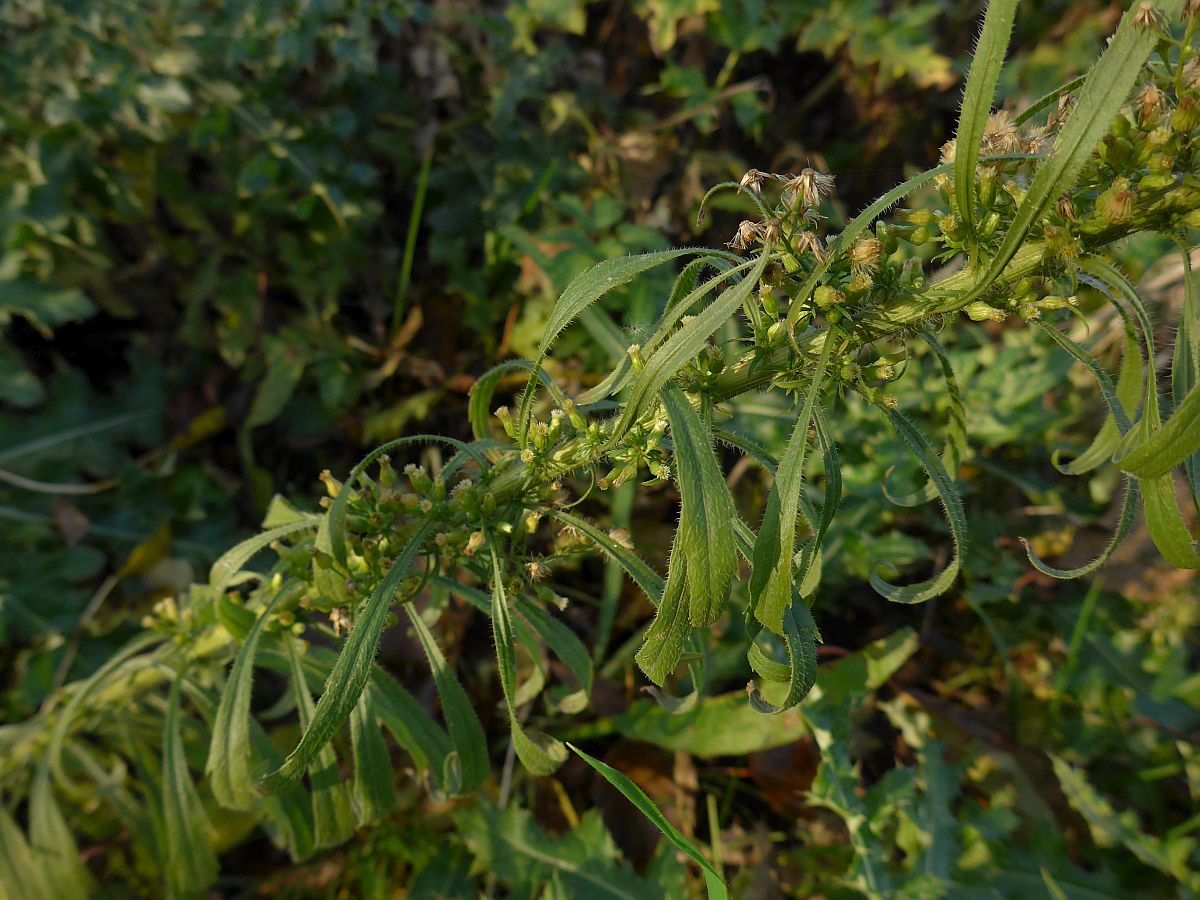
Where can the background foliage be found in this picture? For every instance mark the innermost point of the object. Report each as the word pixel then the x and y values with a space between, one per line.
pixel 246 242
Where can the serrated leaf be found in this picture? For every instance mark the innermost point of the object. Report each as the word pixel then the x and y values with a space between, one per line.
pixel 706 511
pixel 191 864
pixel 662 645
pixel 986 63
pixel 713 881
pixel 350 672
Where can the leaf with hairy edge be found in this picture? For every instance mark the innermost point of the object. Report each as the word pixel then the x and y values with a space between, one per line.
pixel 331 537
pixel 1164 520
pixel 706 509
pixel 229 754
pixel 1185 366
pixel 333 811
pixel 52 842
pixel 586 289
pixel 374 791
pixel 643 576
pixel 681 347
pixel 772 578
pixel 479 405
pixel 225 569
pixel 634 794
pixel 623 374
pixel 467 764
pixel 191 864
pixel 662 645
pixel 1108 439
pixel 1048 99
pixel 951 503
pixel 986 64
pixel 956 432
pixel 1129 504
pixel 1166 446
pixel 801 637
pixel 539 753
pixel 1100 100
pixel 351 671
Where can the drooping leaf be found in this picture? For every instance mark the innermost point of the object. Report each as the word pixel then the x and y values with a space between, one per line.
pixel 225 569
pixel 539 753
pixel 662 645
pixel 374 791
pixel 772 579
pixel 706 511
pixel 951 503
pixel 643 576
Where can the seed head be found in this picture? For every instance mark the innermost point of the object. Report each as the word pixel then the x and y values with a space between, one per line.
pixel 753 181
pixel 1000 135
pixel 1116 203
pixel 747 233
pixel 865 253
pixel 1150 104
pixel 807 189
pixel 1147 18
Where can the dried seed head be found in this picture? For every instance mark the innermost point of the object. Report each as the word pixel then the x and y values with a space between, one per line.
pixel 1147 18
pixel 865 253
pixel 622 537
pixel 807 189
pixel 1066 209
pixel 807 241
pixel 747 233
pixel 1191 73
pixel 1150 104
pixel 947 154
pixel 1000 135
pixel 753 180
pixel 772 231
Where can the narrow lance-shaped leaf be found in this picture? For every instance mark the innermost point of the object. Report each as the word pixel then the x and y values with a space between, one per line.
pixel 801 637
pixel 479 406
pixel 662 645
pixel 233 561
pixel 986 64
pixel 682 347
pixel 351 671
pixel 955 449
pixel 706 511
pixel 374 791
pixel 635 567
pixel 467 765
pixel 229 750
pixel 635 795
pixel 191 864
pixel 53 844
pixel 1108 439
pixel 586 289
pixel 951 503
pixel 1100 100
pixel 1185 367
pixel 333 813
pixel 539 753
pixel 772 578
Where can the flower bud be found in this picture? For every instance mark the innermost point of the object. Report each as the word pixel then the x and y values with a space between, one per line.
pixel 865 253
pixel 387 475
pixel 635 356
pixel 769 301
pixel 983 312
pixel 504 417
pixel 825 296
pixel 1185 117
pixel 333 487
pixel 474 543
pixel 1116 204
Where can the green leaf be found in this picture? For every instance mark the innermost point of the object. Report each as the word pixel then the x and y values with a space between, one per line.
pixel 1167 445
pixel 1170 855
pixel 1048 99
pixel 539 753
pixel 801 636
pixel 582 292
pixel 225 569
pixel 350 672
pixel 772 579
pixel 20 875
pixel 635 795
pixel 1108 439
pixel 986 64
pixel 681 348
pixel 374 791
pixel 1104 92
pixel 1185 366
pixel 479 406
pixel 44 306
pixel 229 751
pixel 285 368
pixel 706 511
pixel 53 844
pixel 191 864
pixel 662 645
pixel 467 765
pixel 332 810
pixel 567 647
pixel 951 503
pixel 955 450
